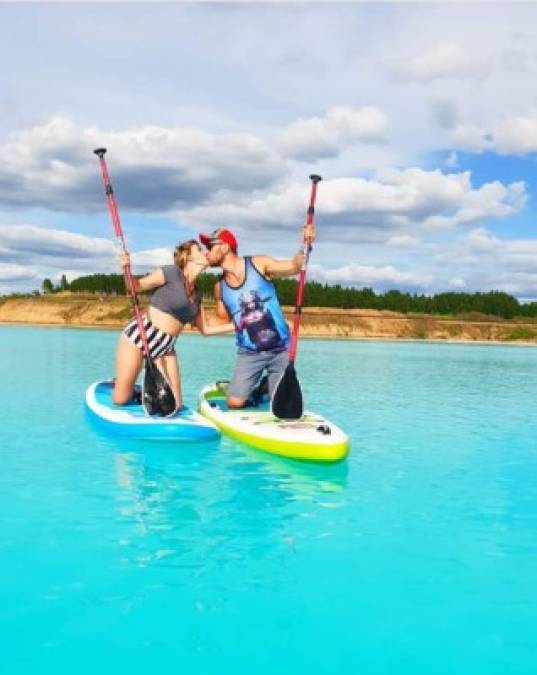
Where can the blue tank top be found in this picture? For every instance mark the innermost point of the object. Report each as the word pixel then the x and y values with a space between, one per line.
pixel 255 310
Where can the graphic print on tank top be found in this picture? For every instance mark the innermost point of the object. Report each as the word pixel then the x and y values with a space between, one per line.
pixel 256 312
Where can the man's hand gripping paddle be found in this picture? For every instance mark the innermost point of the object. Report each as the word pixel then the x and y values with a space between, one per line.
pixel 157 394
pixel 287 403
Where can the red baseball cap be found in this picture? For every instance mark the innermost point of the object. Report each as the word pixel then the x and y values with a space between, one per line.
pixel 221 236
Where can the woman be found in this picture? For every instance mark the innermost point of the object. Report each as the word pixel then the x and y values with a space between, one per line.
pixel 174 302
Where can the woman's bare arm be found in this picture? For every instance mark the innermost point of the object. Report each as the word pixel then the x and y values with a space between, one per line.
pixel 152 280
pixel 216 328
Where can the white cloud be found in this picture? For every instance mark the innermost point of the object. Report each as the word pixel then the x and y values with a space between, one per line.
pixel 444 112
pixel 10 273
pixel 26 242
pixel 470 137
pixel 148 259
pixel 510 135
pixel 393 203
pixel 328 136
pixel 462 134
pixel 477 261
pixel 153 168
pixel 404 241
pixel 440 60
pixel 48 252
pixel 486 262
pixel 29 254
pixel 517 134
pixel 39 252
pixel 224 79
pixel 366 275
pixel 491 200
pixel 457 282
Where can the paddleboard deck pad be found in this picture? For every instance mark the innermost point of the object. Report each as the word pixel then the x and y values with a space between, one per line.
pixel 131 420
pixel 312 437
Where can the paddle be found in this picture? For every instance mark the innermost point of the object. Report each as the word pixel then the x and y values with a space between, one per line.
pixel 287 403
pixel 157 394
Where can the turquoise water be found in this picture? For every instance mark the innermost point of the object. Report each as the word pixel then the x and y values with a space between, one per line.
pixel 416 555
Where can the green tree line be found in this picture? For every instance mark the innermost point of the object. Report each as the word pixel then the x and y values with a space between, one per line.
pixel 494 303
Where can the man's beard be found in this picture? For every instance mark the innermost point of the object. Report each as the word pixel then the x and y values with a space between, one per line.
pixel 217 263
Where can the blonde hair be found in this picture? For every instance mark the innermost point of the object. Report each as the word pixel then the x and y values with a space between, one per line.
pixel 182 251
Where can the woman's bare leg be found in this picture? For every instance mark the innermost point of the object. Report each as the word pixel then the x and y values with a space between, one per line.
pixel 128 363
pixel 170 367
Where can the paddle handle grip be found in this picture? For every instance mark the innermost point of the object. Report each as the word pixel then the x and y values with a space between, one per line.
pixel 118 230
pixel 315 179
pixel 313 195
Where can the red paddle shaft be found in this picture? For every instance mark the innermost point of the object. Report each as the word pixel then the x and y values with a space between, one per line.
pixel 129 279
pixel 302 277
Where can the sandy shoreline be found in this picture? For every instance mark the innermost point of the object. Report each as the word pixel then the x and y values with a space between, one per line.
pixel 492 343
pixel 112 313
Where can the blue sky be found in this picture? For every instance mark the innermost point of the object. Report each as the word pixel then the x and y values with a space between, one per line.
pixel 422 121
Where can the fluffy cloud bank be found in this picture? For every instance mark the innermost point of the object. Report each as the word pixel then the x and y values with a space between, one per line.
pixel 11 273
pixel 517 134
pixel 477 260
pixel 36 253
pixel 482 261
pixel 27 246
pixel 29 254
pixel 207 177
pixel 357 209
pixel 322 137
pixel 514 134
pixel 153 168
pixel 440 60
pixel 157 169
pixel 33 253
pixel 26 243
pixel 378 277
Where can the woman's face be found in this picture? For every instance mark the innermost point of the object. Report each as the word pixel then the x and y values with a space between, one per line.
pixel 198 256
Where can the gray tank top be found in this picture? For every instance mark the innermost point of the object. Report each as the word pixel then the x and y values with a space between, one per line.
pixel 172 298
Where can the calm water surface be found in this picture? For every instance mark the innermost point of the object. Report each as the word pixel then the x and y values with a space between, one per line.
pixel 416 555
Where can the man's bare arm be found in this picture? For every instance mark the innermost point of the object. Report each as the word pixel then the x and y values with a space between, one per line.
pixel 271 267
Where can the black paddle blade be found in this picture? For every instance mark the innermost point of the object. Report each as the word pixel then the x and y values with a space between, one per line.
pixel 157 397
pixel 287 400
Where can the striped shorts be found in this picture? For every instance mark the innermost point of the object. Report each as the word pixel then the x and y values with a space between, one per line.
pixel 159 342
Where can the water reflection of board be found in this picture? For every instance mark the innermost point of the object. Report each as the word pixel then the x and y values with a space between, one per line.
pixel 312 437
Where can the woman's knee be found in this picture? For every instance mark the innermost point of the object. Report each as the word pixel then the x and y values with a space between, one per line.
pixel 121 396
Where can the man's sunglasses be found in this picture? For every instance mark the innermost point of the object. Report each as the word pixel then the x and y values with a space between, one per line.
pixel 212 244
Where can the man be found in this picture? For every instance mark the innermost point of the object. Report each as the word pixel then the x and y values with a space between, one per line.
pixel 246 295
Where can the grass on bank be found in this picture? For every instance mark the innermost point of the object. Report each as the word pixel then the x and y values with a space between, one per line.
pixel 521 333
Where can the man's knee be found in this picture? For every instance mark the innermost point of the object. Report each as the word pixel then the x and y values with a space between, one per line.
pixel 235 402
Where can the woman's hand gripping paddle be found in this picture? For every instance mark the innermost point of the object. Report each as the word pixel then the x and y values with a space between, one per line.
pixel 157 394
pixel 287 403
